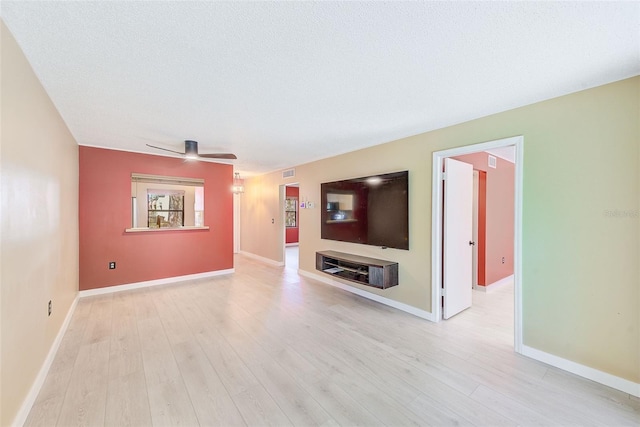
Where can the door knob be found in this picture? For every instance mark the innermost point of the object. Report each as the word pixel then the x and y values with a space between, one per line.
pixel 471 243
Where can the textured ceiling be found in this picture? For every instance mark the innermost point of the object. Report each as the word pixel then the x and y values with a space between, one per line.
pixel 284 83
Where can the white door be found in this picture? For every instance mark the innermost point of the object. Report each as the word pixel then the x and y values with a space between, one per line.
pixel 457 237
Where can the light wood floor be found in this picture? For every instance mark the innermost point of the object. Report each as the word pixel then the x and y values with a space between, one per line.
pixel 266 347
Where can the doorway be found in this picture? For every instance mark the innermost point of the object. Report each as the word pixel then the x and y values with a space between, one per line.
pixel 438 234
pixel 291 222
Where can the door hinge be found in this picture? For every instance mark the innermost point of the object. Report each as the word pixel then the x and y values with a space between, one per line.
pixel 444 176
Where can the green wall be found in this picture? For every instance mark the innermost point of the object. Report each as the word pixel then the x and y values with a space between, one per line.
pixel 581 229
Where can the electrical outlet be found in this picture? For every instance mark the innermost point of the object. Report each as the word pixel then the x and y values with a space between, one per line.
pixel 503 260
pixel 50 308
pixel 112 265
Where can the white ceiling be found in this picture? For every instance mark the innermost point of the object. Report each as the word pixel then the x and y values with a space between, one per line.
pixel 284 83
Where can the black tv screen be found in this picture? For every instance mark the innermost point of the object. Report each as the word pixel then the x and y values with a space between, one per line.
pixel 372 210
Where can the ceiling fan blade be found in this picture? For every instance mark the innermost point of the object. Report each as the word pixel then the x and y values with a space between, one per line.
pixel 165 149
pixel 219 156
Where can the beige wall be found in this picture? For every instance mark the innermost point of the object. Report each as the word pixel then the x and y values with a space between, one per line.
pixel 39 256
pixel 260 204
pixel 580 266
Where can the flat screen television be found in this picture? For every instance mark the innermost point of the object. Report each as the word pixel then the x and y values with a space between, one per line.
pixel 372 210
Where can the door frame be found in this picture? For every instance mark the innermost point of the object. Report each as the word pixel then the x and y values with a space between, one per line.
pixel 437 221
pixel 282 195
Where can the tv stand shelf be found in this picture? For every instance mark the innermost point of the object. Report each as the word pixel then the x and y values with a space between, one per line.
pixel 373 272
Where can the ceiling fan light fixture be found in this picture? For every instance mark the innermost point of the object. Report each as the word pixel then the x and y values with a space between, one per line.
pixel 191 149
pixel 191 152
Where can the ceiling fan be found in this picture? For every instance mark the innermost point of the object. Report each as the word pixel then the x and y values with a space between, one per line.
pixel 191 151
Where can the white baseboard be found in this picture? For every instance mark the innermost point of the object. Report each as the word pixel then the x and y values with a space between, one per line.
pixel 505 281
pixel 28 402
pixel 263 259
pixel 375 297
pixel 148 283
pixel 604 378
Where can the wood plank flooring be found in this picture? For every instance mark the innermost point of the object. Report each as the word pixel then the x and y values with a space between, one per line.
pixel 265 346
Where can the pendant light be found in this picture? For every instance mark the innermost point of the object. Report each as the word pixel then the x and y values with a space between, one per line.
pixel 238 184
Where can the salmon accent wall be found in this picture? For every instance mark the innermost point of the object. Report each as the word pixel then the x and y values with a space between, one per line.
pixel 292 232
pixel 499 218
pixel 105 213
